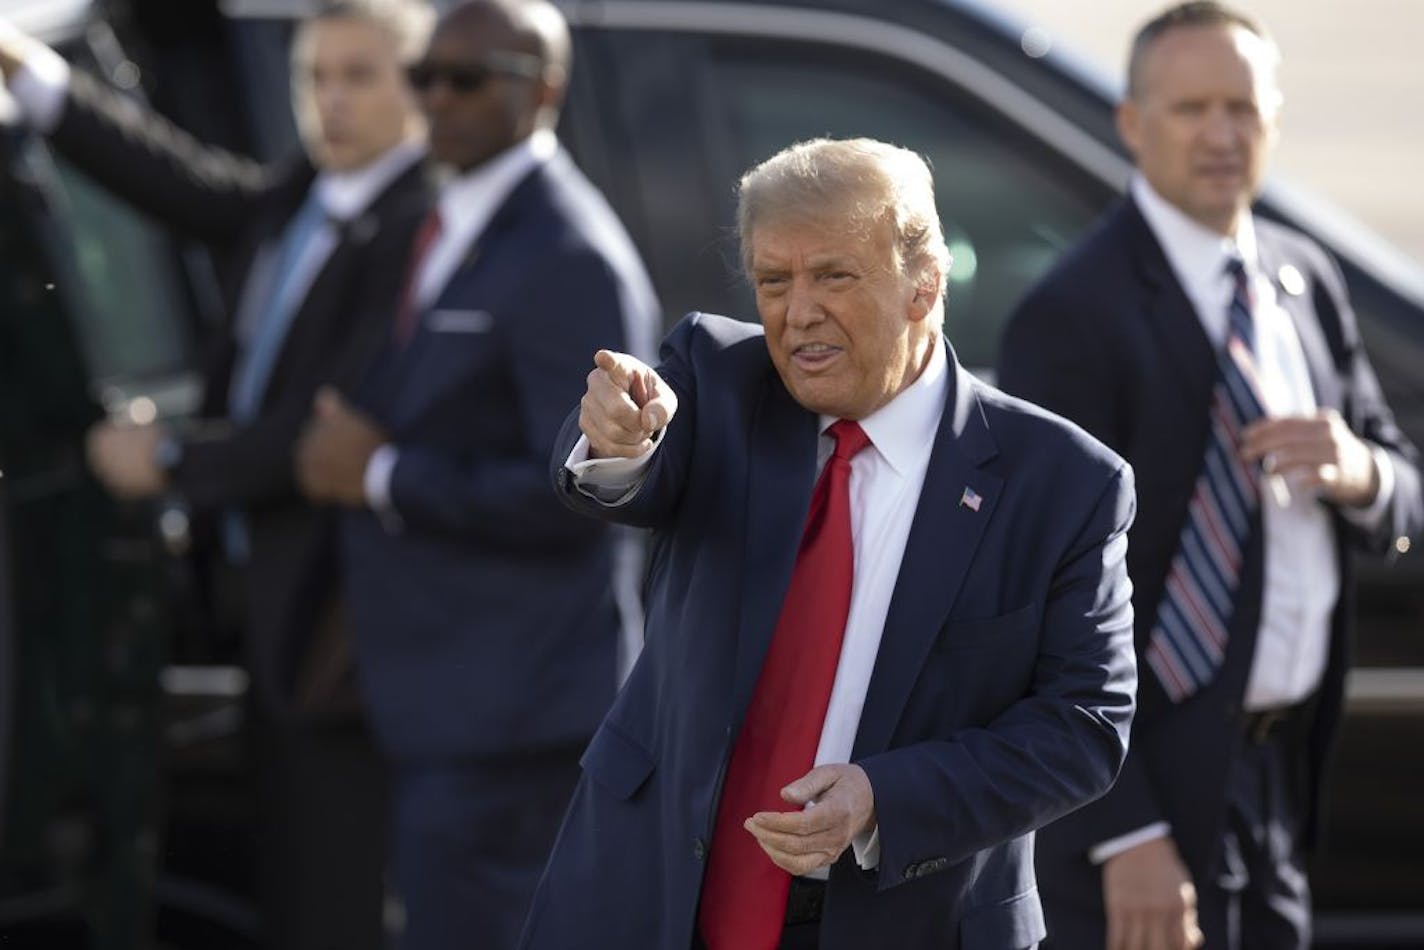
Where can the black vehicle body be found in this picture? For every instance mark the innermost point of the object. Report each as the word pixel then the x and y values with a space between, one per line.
pixel 122 770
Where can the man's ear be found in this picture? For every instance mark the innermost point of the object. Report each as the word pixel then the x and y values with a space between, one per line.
pixel 1127 118
pixel 552 86
pixel 928 285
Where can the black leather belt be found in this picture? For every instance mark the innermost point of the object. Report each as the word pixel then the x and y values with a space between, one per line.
pixel 1261 725
pixel 806 900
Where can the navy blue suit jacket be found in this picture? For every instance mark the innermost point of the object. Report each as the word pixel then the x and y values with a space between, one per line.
pixel 1110 340
pixel 1000 698
pixel 485 622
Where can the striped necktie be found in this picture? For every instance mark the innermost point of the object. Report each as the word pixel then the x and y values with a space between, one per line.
pixel 1188 640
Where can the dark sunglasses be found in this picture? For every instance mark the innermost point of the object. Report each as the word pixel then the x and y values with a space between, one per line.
pixel 470 77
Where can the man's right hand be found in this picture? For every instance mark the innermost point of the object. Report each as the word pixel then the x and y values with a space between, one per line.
pixel 626 404
pixel 1149 898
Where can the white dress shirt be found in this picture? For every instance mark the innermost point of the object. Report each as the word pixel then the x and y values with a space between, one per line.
pixel 1302 571
pixel 885 483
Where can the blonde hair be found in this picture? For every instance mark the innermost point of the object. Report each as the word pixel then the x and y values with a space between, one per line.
pixel 860 182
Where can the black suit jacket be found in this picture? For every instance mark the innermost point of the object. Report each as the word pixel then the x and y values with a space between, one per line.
pixel 1110 339
pixel 237 207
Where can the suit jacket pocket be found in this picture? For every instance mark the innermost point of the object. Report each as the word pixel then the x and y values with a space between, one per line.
pixel 1013 924
pixel 459 321
pixel 992 631
pixel 617 762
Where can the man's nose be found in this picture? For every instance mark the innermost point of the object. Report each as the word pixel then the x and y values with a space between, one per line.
pixel 803 306
pixel 1220 129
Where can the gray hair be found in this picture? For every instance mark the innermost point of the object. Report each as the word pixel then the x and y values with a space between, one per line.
pixel 407 22
pixel 861 182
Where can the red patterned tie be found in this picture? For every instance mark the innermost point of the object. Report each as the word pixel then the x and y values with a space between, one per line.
pixel 744 894
pixel 406 309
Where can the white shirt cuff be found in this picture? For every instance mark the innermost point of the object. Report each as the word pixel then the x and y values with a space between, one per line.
pixel 1369 516
pixel 376 481
pixel 39 89
pixel 1115 846
pixel 610 481
pixel 866 848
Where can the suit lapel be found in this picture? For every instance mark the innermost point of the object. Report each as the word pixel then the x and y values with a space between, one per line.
pixel 1293 300
pixel 938 554
pixel 1172 319
pixel 782 472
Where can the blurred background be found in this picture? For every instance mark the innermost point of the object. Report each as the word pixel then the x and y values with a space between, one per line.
pixel 125 805
pixel 1353 126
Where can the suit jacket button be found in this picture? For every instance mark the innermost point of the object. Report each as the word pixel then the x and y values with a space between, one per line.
pixel 699 848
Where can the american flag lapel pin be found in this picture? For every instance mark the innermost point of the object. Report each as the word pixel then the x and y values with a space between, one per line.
pixel 971 499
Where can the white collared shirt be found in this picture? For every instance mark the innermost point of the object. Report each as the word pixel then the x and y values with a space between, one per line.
pixel 1302 576
pixel 467 204
pixel 344 197
pixel 885 483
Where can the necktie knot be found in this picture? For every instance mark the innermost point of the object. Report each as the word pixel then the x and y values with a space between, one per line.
pixel 850 439
pixel 1242 303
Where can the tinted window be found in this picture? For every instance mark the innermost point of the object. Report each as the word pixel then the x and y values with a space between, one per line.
pixel 1009 207
pixel 132 316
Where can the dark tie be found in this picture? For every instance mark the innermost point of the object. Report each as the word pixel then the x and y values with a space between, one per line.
pixel 1189 638
pixel 744 894
pixel 408 307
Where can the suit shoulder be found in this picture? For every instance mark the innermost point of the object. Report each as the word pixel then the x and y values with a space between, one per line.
pixel 711 338
pixel 1088 280
pixel 1304 252
pixel 572 218
pixel 1034 435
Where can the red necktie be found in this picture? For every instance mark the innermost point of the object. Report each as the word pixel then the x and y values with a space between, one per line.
pixel 743 893
pixel 406 310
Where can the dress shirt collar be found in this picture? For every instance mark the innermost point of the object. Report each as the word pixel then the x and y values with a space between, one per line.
pixel 1196 253
pixel 346 194
pixel 903 430
pixel 467 202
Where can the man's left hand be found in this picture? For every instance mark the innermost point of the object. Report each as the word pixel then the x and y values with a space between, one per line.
pixel 1315 451
pixel 815 836
pixel 123 457
pixel 333 451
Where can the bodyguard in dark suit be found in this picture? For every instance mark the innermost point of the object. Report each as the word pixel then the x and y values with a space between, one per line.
pixel 844 736
pixel 297 244
pixel 1218 353
pixel 484 613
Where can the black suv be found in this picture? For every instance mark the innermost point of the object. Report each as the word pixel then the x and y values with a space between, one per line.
pixel 120 761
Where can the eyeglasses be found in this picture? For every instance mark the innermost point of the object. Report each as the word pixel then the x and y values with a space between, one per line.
pixel 470 77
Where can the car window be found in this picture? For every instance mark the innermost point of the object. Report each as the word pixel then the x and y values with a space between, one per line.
pixel 1008 206
pixel 131 313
